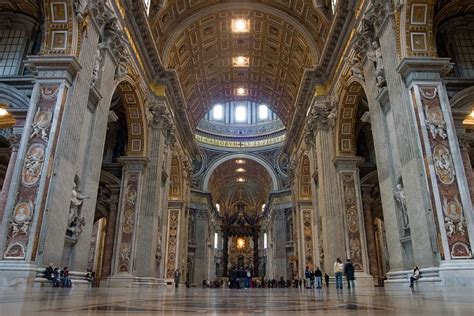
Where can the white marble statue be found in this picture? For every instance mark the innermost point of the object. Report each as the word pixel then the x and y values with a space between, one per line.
pixel 399 195
pixel 377 57
pixel 77 199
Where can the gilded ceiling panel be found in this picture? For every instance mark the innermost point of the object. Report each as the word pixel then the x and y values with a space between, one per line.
pixel 195 39
pixel 28 7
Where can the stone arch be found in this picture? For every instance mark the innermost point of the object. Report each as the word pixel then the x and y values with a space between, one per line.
pixel 134 110
pixel 220 161
pixel 346 120
pixel 12 97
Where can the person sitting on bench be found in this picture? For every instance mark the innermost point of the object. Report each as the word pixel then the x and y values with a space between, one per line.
pixel 415 276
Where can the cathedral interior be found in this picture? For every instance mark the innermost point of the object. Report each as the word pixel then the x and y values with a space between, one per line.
pixel 141 140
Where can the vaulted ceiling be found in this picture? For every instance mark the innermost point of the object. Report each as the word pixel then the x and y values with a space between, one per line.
pixel 229 186
pixel 195 39
pixel 29 7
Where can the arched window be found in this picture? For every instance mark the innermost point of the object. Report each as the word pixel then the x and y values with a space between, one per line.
pixel 333 6
pixel 241 113
pixel 147 6
pixel 263 112
pixel 218 112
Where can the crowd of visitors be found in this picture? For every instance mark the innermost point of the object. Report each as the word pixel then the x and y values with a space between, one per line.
pixel 59 277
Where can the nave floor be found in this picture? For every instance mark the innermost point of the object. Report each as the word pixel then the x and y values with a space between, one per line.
pixel 169 301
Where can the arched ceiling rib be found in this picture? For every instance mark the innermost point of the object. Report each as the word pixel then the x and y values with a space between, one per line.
pixel 225 188
pixel 29 7
pixel 195 39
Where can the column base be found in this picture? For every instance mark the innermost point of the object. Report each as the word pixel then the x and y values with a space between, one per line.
pixel 142 282
pixel 459 273
pixel 17 274
pixel 130 281
pixel 20 274
pixel 400 280
pixel 364 280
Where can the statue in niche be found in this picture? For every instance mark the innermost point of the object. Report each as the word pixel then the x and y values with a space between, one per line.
pixel 399 195
pixel 97 68
pixel 75 221
pixel 158 250
pixel 356 68
pixel 77 226
pixel 376 56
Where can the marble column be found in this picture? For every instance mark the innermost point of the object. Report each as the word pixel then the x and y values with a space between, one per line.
pixel 26 201
pixel 320 125
pixel 367 202
pixel 170 141
pixel 255 253
pixel 356 246
pixel 14 142
pixel 464 142
pixel 200 255
pixel 124 270
pixel 109 244
pixel 148 230
pixel 280 259
pixel 225 253
pixel 447 182
pixel 406 200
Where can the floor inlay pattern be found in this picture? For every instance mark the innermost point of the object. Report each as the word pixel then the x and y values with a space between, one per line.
pixel 170 301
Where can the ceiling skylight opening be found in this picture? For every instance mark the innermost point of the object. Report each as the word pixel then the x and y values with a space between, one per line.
pixel 147 6
pixel 240 170
pixel 333 6
pixel 218 112
pixel 262 112
pixel 240 113
pixel 241 91
pixel 240 61
pixel 240 161
pixel 240 180
pixel 240 26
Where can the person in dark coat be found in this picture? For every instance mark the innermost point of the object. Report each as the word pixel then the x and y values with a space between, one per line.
pixel 326 279
pixel 349 273
pixel 318 275
pixel 49 272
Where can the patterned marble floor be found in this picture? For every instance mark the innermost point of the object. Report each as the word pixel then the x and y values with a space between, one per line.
pixel 182 301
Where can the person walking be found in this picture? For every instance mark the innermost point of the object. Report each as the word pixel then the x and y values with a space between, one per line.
pixel 326 279
pixel 307 277
pixel 415 276
pixel 338 269
pixel 349 273
pixel 176 277
pixel 319 277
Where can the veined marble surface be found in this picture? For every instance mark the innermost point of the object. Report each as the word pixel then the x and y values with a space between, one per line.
pixel 182 301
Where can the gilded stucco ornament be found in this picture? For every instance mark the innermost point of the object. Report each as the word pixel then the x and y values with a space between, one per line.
pixel 323 114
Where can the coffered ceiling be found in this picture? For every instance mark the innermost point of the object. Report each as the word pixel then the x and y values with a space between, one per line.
pixel 251 185
pixel 195 39
pixel 29 7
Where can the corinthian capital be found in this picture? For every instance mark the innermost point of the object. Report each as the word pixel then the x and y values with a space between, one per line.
pixel 157 112
pixel 323 115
